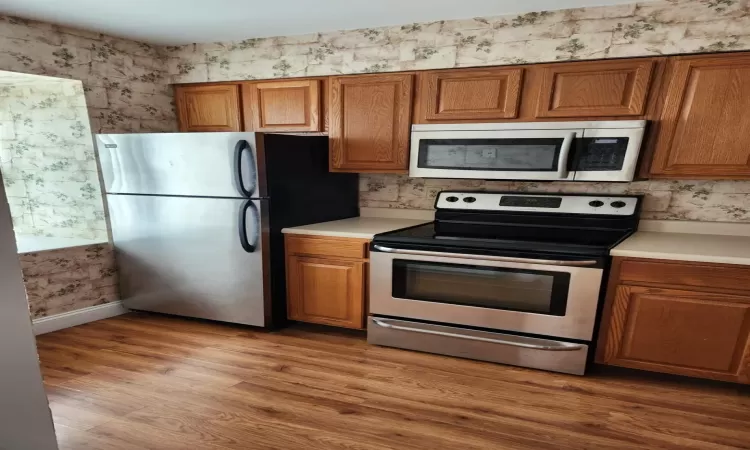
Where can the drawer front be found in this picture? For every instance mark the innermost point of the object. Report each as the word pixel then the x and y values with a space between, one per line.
pixel 704 275
pixel 325 246
pixel 495 347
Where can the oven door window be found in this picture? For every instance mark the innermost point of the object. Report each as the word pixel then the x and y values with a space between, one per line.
pixel 501 154
pixel 533 291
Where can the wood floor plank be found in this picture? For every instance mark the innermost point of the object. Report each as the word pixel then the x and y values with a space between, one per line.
pixel 75 439
pixel 194 384
pixel 77 417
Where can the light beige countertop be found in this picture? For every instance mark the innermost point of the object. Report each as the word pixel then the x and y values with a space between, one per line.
pixel 356 227
pixel 701 245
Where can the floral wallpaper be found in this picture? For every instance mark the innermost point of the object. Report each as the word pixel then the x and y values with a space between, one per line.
pixel 638 29
pixel 47 159
pixel 708 201
pixel 126 86
pixel 67 279
pixel 125 82
pixel 126 89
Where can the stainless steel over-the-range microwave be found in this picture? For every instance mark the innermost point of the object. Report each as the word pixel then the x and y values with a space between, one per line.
pixel 562 151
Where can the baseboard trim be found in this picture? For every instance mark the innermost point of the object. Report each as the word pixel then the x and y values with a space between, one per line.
pixel 77 317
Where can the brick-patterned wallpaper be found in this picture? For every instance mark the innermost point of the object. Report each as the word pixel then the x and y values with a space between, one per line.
pixel 67 279
pixel 125 82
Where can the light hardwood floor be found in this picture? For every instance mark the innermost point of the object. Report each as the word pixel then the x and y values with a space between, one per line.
pixel 143 381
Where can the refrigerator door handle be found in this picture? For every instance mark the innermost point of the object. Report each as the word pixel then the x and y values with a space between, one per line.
pixel 246 245
pixel 244 147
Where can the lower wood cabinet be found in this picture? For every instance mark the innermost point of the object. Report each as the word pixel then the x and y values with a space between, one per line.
pixel 326 280
pixel 688 322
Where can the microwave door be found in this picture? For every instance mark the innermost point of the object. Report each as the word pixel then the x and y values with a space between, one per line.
pixel 493 154
pixel 608 154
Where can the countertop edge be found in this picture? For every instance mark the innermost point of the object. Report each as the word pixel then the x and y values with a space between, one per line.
pixel 680 257
pixel 344 234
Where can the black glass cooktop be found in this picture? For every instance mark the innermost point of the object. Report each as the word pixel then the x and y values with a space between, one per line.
pixel 450 237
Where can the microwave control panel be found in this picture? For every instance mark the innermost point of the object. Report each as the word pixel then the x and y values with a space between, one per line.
pixel 601 153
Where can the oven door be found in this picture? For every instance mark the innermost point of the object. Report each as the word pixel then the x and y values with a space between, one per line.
pixel 493 154
pixel 543 297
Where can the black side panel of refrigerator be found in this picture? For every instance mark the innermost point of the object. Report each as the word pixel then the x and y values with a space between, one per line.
pixel 302 191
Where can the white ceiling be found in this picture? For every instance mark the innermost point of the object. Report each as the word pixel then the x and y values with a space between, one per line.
pixel 186 21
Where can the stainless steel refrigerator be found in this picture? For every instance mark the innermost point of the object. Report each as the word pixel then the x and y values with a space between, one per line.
pixel 196 218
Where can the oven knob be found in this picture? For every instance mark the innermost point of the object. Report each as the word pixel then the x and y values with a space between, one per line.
pixel 596 203
pixel 451 199
pixel 470 199
pixel 618 204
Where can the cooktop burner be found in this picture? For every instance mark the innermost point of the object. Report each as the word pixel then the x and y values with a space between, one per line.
pixel 484 222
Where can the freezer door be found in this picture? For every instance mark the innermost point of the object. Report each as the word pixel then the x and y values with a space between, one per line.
pixel 195 257
pixel 185 164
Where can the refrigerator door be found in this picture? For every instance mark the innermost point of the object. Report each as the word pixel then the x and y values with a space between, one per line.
pixel 184 164
pixel 195 257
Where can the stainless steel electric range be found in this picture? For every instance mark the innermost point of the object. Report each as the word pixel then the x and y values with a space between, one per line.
pixel 504 277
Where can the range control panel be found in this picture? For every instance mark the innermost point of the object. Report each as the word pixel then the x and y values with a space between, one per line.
pixel 543 203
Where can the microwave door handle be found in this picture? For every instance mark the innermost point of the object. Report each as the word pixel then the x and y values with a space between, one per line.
pixel 548 262
pixel 562 161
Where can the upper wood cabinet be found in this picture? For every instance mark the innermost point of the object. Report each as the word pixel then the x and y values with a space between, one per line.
pixel 688 322
pixel 208 108
pixel 705 124
pixel 370 121
pixel 595 88
pixel 468 94
pixel 284 105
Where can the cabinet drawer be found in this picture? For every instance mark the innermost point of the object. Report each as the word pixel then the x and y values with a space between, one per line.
pixel 327 246
pixel 704 275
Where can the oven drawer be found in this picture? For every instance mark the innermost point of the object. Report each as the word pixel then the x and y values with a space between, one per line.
pixel 546 354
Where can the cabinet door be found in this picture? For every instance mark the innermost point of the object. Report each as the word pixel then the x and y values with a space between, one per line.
pixel 326 290
pixel 681 332
pixel 208 108
pixel 288 105
pixel 370 123
pixel 469 94
pixel 705 125
pixel 595 88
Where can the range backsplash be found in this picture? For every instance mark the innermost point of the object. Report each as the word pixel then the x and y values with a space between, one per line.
pixel 711 201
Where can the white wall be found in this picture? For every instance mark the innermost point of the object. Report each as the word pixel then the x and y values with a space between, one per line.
pixel 25 418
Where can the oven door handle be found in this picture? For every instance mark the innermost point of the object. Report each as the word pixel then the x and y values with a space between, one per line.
pixel 549 262
pixel 560 347
pixel 562 161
